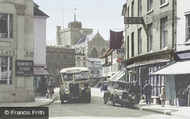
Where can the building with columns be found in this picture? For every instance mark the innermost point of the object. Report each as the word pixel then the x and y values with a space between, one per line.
pixel 16 51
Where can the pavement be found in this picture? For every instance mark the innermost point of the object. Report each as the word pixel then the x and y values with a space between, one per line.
pixel 38 102
pixel 177 111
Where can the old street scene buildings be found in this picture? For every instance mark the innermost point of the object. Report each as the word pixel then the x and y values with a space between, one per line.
pixel 156 47
pixel 88 47
pixel 16 51
pixel 27 64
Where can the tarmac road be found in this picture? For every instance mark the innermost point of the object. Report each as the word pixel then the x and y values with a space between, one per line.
pixel 97 109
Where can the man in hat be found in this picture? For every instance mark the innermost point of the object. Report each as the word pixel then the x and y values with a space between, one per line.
pixel 147 91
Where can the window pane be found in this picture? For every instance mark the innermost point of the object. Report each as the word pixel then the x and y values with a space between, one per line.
pixel 164 32
pixel 140 41
pixel 163 1
pixel 139 8
pixel 71 59
pixel 150 37
pixel 65 59
pixel 5 70
pixel 188 20
pixel 6 25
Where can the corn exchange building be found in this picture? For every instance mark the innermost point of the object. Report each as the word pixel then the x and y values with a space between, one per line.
pixel 16 51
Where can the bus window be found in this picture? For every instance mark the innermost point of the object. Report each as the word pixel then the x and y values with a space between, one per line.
pixel 67 77
pixel 81 76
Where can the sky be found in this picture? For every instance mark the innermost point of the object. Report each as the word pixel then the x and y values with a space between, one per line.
pixel 99 15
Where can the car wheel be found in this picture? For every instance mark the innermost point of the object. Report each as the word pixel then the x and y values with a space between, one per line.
pixel 105 98
pixel 88 100
pixel 129 105
pixel 122 104
pixel 113 101
pixel 62 99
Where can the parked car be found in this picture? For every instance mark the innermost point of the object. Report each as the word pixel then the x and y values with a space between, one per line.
pixel 118 92
pixel 104 86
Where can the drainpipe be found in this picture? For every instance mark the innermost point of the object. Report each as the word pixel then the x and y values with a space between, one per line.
pixel 173 24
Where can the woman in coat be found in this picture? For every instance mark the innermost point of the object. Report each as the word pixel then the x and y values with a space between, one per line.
pixel 163 96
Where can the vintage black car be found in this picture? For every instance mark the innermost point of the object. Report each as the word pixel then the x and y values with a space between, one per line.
pixel 119 92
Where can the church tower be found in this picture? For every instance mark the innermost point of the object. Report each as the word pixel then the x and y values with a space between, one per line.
pixel 69 36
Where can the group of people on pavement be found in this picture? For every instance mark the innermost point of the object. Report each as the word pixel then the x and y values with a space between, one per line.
pixel 48 90
pixel 148 90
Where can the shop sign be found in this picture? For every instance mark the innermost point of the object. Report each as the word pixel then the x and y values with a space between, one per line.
pixel 24 68
pixel 7 52
pixel 133 20
pixel 29 53
pixel 121 51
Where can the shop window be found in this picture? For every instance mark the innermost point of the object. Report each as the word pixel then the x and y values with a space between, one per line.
pixel 6 25
pixel 157 82
pixel 6 70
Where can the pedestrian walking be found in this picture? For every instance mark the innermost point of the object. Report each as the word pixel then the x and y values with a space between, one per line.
pixel 163 96
pixel 51 89
pixel 135 89
pixel 147 91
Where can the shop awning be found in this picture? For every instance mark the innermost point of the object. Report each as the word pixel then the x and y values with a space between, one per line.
pixel 38 71
pixel 119 76
pixel 180 67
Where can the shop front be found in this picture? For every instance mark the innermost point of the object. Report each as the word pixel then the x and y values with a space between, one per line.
pixel 138 70
pixel 40 80
pixel 177 82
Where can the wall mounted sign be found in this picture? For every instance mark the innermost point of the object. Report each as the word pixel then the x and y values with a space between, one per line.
pixel 121 51
pixel 24 68
pixel 133 20
pixel 7 52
